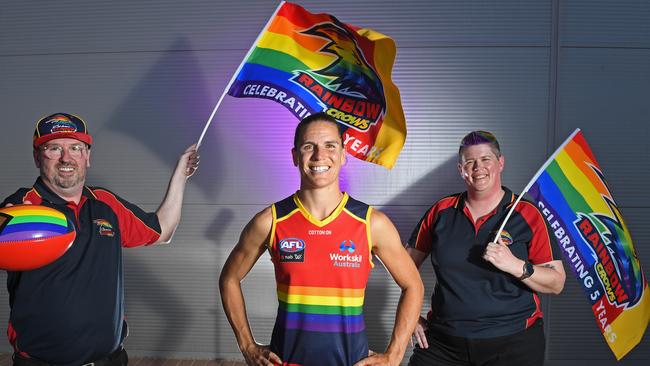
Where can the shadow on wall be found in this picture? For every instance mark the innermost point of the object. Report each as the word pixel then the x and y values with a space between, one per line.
pixel 215 234
pixel 378 294
pixel 165 113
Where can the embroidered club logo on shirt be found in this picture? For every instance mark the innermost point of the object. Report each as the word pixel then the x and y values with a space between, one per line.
pixel 104 227
pixel 292 250
pixel 506 237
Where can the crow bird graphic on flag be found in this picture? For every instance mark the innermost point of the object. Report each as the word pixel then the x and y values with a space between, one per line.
pixel 350 71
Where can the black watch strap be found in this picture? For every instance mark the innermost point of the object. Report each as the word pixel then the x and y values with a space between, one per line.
pixel 528 270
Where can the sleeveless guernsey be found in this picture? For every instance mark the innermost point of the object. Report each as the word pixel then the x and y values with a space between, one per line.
pixel 321 270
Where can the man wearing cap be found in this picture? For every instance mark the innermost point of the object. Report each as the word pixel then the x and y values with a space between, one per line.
pixel 485 309
pixel 71 312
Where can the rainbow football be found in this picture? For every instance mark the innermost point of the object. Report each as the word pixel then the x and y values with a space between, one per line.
pixel 32 236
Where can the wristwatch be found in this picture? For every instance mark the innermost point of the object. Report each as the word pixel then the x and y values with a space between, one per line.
pixel 528 270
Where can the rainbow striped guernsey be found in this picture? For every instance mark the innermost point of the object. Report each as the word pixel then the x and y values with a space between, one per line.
pixel 571 191
pixel 321 269
pixel 30 222
pixel 313 62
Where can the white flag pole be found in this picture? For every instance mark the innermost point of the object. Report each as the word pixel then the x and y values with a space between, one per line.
pixel 234 76
pixel 532 181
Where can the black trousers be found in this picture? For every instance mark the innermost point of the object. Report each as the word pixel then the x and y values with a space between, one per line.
pixel 525 348
pixel 117 358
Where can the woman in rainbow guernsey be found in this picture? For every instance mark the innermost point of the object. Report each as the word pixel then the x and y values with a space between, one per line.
pixel 321 242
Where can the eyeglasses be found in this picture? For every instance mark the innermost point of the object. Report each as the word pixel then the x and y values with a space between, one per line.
pixel 56 151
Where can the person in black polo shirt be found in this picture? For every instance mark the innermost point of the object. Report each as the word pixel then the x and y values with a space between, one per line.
pixel 71 312
pixel 484 309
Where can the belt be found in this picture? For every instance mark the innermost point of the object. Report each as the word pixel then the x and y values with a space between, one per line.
pixel 116 358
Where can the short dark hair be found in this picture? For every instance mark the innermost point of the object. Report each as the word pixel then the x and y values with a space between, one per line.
pixel 316 117
pixel 477 138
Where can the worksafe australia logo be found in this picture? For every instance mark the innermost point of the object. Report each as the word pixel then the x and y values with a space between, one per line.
pixel 344 257
pixel 347 245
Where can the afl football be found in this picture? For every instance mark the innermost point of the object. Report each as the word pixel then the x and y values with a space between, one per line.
pixel 32 236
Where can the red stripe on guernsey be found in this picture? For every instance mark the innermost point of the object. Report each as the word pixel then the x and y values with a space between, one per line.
pixel 424 240
pixel 541 236
pixel 133 230
pixel 537 314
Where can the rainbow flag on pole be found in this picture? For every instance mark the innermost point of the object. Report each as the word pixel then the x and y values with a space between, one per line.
pixel 571 191
pixel 314 63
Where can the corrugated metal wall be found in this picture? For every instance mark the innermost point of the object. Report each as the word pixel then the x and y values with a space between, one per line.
pixel 146 74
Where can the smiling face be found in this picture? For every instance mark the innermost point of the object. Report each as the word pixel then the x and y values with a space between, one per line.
pixel 63 164
pixel 319 155
pixel 481 168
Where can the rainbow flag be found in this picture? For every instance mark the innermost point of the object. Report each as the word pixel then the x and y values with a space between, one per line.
pixel 314 63
pixel 572 193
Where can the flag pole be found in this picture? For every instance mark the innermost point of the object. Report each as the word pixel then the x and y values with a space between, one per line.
pixel 234 76
pixel 532 181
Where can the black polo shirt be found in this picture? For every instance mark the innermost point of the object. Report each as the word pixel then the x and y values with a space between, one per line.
pixel 472 298
pixel 72 311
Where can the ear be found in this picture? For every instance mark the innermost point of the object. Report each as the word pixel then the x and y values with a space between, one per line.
pixel 88 159
pixel 460 171
pixel 502 163
pixel 36 159
pixel 294 156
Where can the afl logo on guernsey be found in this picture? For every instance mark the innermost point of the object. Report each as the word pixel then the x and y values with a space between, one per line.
pixel 292 250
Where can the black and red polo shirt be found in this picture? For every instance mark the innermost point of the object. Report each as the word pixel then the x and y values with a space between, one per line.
pixel 472 298
pixel 71 311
